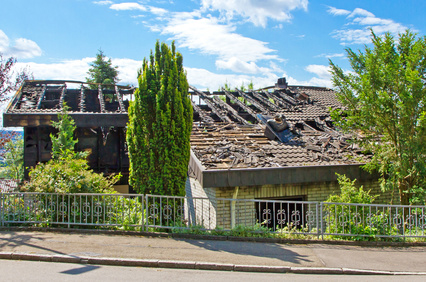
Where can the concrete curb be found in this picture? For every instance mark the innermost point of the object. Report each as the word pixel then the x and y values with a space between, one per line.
pixel 195 265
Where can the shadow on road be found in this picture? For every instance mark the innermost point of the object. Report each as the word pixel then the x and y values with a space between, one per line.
pixel 14 240
pixel 255 249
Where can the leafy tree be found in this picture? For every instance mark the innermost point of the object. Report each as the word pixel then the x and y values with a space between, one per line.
pixel 160 124
pixel 384 101
pixel 67 171
pixel 9 80
pixel 12 155
pixel 102 71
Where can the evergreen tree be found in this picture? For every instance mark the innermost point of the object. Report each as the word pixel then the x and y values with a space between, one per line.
pixel 63 143
pixel 102 71
pixel 160 123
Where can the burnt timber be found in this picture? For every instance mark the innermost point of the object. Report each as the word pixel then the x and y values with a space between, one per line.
pixel 100 115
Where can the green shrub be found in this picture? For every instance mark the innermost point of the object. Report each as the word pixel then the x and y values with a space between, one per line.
pixel 72 176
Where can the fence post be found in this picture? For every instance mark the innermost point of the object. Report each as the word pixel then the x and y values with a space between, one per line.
pixel 146 212
pixel 143 212
pixel 322 221
pixel 1 209
pixel 317 221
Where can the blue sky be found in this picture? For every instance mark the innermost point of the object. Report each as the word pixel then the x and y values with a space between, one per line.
pixel 221 40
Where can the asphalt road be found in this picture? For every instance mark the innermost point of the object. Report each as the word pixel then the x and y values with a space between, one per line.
pixel 397 259
pixel 49 271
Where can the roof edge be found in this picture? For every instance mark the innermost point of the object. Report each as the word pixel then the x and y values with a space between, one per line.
pixel 282 175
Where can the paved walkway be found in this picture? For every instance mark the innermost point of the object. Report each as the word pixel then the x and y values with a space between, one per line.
pixel 210 254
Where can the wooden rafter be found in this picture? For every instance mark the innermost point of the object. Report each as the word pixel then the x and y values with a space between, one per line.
pixel 265 101
pixel 253 102
pixel 62 98
pixel 41 97
pixel 120 99
pixel 209 102
pixel 241 104
pixel 82 104
pixel 204 117
pixel 101 99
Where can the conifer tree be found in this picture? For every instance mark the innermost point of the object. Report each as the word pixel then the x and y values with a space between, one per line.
pixel 160 123
pixel 102 71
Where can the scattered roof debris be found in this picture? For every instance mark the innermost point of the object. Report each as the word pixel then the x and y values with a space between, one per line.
pixel 230 129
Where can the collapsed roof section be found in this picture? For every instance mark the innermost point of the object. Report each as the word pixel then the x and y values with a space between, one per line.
pixel 38 102
pixel 230 129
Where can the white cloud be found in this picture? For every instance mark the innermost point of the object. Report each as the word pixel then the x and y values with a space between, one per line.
pixel 158 11
pixel 22 48
pixel 203 79
pixel 257 12
pixel 320 70
pixel 338 12
pixel 357 30
pixel 210 37
pixel 106 2
pixel 128 6
pixel 77 69
pixel 329 56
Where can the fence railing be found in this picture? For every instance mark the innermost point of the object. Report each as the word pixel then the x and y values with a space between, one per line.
pixel 172 213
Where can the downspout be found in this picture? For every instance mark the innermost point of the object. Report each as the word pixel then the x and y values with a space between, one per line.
pixel 233 204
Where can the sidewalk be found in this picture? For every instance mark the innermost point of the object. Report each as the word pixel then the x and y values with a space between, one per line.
pixel 134 250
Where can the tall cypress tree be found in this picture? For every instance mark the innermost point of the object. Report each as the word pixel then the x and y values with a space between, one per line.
pixel 160 123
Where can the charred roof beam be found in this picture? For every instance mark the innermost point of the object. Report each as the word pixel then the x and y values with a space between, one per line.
pixel 265 101
pixel 62 98
pixel 241 104
pixel 101 99
pixel 224 106
pixel 287 98
pixel 40 99
pixel 221 114
pixel 204 117
pixel 82 104
pixel 252 101
pixel 120 99
pixel 283 103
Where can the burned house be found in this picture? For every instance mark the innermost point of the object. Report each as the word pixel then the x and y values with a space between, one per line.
pixel 100 116
pixel 238 153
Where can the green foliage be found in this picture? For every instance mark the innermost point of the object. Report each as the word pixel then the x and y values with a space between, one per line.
pixel 226 86
pixel 11 155
pixel 14 159
pixel 349 193
pixel 102 71
pixel 67 171
pixel 68 176
pixel 63 144
pixel 160 124
pixel 355 219
pixel 384 100
pixel 250 85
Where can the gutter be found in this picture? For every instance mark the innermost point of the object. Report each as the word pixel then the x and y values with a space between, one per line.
pixel 217 178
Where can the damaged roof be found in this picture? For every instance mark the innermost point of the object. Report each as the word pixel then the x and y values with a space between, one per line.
pixel 228 132
pixel 231 142
pixel 38 102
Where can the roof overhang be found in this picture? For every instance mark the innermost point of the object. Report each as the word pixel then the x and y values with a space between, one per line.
pixel 81 119
pixel 218 178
